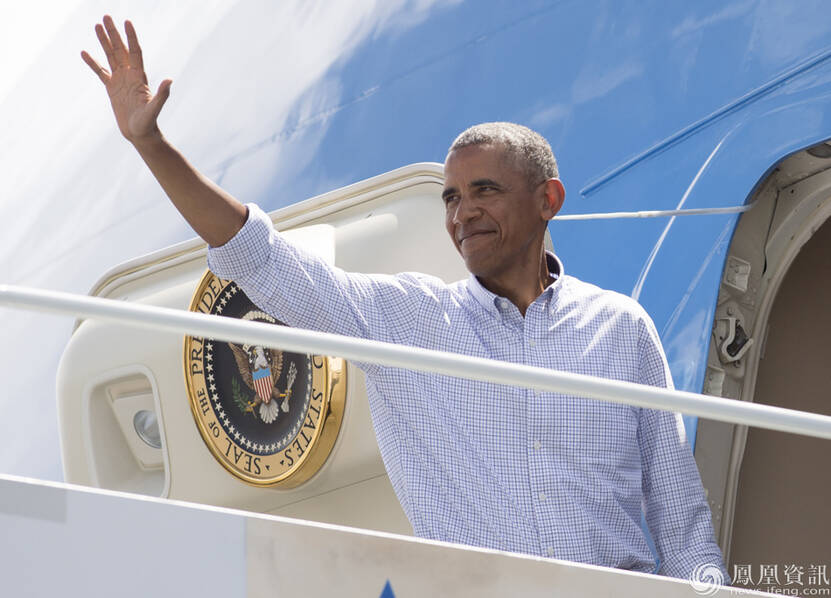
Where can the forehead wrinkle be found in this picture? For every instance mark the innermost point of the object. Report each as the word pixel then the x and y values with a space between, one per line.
pixel 508 153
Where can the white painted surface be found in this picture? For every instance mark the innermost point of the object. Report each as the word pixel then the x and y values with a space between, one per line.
pixel 61 540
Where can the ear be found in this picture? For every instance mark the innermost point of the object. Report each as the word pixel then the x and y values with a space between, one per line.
pixel 554 195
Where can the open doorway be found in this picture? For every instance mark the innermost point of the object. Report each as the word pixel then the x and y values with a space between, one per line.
pixel 781 507
pixel 768 491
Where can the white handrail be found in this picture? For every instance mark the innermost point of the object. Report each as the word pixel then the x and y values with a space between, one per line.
pixel 425 360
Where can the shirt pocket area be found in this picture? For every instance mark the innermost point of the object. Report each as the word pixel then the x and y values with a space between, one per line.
pixel 590 434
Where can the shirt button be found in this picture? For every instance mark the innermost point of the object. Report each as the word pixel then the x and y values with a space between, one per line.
pixel 542 496
pixel 550 551
pixel 532 343
pixel 537 445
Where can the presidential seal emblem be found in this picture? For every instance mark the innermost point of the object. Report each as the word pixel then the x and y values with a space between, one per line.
pixel 270 417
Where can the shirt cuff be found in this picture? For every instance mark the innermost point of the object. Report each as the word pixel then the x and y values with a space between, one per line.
pixel 698 565
pixel 245 252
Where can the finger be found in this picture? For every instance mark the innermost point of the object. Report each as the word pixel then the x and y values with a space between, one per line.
pixel 119 51
pixel 136 60
pixel 96 68
pixel 105 44
pixel 160 98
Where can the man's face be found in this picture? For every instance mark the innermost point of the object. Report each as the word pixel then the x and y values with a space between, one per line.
pixel 494 215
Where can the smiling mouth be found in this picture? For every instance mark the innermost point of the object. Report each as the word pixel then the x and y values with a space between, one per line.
pixel 475 235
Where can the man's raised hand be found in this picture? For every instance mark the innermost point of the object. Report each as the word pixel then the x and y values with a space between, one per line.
pixel 136 108
pixel 213 213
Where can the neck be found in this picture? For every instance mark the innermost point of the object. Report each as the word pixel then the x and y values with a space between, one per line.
pixel 522 284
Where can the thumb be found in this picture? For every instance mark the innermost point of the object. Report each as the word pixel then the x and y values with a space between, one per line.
pixel 160 98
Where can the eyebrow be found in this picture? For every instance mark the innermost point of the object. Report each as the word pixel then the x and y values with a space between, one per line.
pixel 477 183
pixel 485 183
pixel 447 192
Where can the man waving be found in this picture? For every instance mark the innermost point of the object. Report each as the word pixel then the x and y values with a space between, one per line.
pixel 506 468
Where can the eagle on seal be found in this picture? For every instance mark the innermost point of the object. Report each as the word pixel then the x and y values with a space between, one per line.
pixel 260 369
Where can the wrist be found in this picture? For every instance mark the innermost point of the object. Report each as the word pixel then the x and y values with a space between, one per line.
pixel 149 142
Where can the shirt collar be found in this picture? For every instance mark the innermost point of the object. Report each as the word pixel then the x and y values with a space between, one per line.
pixel 491 301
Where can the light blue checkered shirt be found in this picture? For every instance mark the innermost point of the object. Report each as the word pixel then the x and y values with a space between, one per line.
pixel 486 465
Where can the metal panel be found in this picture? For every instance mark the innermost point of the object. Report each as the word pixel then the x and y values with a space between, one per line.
pixel 60 540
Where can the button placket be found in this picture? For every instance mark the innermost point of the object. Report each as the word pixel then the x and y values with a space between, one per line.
pixel 535 323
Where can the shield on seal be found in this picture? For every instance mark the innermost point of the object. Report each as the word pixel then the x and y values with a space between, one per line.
pixel 263 383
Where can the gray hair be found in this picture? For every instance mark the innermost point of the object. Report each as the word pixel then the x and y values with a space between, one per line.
pixel 528 149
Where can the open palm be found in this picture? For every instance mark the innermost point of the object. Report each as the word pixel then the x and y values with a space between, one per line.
pixel 136 108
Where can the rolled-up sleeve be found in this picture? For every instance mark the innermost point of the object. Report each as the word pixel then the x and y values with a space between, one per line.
pixel 247 251
pixel 303 290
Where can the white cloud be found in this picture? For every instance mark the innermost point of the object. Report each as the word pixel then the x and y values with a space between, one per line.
pixel 592 83
pixel 549 115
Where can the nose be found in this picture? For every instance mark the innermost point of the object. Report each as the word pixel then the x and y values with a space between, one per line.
pixel 466 210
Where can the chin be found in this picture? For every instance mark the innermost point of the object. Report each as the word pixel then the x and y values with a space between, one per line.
pixel 477 268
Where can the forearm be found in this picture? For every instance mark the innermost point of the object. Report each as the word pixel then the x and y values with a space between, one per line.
pixel 214 214
pixel 677 511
